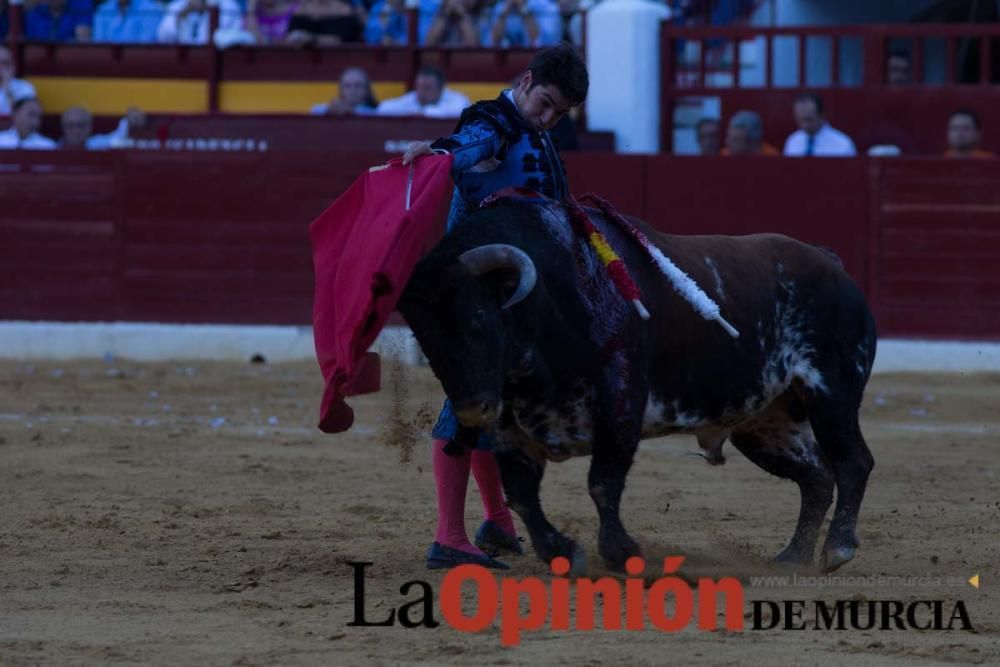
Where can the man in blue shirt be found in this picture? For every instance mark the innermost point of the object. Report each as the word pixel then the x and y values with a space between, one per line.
pixel 58 21
pixel 497 144
pixel 520 23
pixel 387 23
pixel 127 21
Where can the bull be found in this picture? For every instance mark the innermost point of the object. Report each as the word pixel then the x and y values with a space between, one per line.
pixel 527 335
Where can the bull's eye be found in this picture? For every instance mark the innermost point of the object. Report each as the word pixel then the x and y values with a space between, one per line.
pixel 477 320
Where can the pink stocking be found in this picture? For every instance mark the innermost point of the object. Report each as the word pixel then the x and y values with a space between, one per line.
pixel 451 475
pixel 487 474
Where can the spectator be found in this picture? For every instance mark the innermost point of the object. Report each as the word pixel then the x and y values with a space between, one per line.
pixel 77 128
pixel 745 135
pixel 127 21
pixel 523 23
pixel 884 136
pixel 571 13
pixel 353 97
pixel 12 89
pixel 964 135
pixel 77 125
pixel 387 23
pixel 23 132
pixel 268 20
pixel 136 126
pixel 456 23
pixel 898 68
pixel 324 23
pixel 58 21
pixel 815 136
pixel 186 21
pixel 707 134
pixel 429 97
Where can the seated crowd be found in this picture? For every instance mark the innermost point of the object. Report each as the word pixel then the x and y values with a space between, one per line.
pixel 469 23
pixel 816 137
pixel 18 100
pixel 431 97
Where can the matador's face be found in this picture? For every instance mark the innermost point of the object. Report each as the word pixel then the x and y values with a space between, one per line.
pixel 541 105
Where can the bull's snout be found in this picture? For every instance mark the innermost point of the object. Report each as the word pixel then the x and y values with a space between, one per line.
pixel 477 412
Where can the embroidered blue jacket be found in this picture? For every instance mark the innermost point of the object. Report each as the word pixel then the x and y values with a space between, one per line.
pixel 495 148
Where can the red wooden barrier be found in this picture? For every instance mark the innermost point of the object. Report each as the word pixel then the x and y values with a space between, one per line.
pixel 936 249
pixel 818 201
pixel 303 132
pixel 222 237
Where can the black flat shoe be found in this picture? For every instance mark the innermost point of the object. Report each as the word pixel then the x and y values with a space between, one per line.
pixel 440 557
pixel 491 538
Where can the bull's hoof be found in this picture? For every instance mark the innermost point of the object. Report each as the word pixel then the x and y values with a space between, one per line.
pixel 559 545
pixel 834 557
pixel 793 556
pixel 578 562
pixel 491 538
pixel 616 555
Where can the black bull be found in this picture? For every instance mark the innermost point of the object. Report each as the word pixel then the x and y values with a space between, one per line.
pixel 525 331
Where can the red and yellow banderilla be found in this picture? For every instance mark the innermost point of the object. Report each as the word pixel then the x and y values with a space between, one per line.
pixel 613 264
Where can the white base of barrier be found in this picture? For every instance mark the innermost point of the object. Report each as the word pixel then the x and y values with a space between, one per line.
pixel 142 341
pixel 159 342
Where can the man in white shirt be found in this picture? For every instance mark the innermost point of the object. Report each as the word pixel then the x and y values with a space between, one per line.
pixel 77 128
pixel 354 96
pixel 11 88
pixel 815 136
pixel 23 133
pixel 429 97
pixel 186 21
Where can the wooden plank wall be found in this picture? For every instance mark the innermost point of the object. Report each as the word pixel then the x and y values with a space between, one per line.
pixel 937 233
pixel 222 237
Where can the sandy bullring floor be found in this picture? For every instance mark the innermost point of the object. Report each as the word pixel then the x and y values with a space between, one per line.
pixel 180 513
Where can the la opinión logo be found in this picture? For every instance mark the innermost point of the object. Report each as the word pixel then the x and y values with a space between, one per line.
pixel 552 601
pixel 501 600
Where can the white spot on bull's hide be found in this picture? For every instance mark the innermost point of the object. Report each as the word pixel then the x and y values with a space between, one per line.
pixel 792 356
pixel 662 419
pixel 652 417
pixel 810 377
pixel 718 279
pixel 863 362
pixel 562 429
pixel 686 419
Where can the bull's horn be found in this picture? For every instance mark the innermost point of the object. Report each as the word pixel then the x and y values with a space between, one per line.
pixel 495 256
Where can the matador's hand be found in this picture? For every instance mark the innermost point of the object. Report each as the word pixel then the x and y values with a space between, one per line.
pixel 416 150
